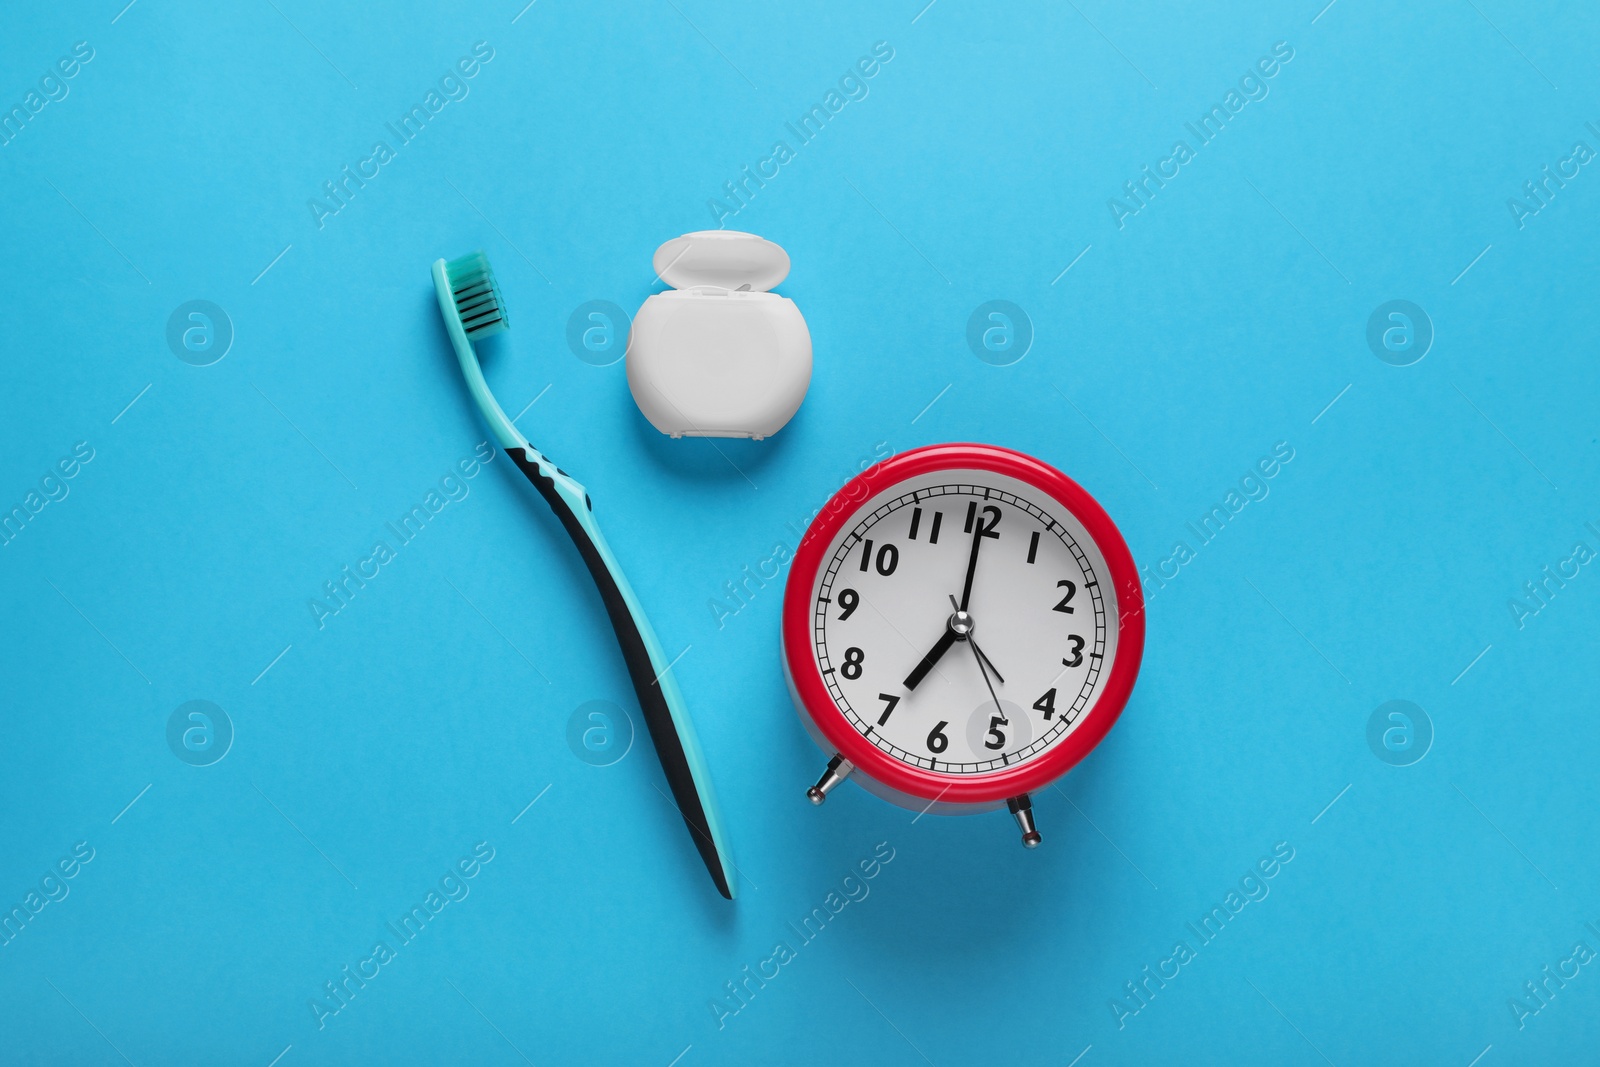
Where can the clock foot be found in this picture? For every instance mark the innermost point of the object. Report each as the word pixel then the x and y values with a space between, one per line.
pixel 1022 809
pixel 838 770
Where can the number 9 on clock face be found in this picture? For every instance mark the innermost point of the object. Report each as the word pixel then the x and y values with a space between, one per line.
pixel 962 624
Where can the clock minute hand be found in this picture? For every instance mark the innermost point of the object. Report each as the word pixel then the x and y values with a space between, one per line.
pixel 972 565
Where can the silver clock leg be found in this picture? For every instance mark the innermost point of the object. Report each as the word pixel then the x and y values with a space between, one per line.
pixel 838 770
pixel 1022 809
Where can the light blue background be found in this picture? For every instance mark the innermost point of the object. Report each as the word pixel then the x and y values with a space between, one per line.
pixel 1224 317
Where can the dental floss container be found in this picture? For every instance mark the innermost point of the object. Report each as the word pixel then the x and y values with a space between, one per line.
pixel 718 355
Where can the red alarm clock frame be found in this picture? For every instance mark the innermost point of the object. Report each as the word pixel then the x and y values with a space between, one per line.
pixel 962 624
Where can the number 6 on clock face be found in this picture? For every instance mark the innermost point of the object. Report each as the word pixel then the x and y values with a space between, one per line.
pixel 961 625
pixel 902 609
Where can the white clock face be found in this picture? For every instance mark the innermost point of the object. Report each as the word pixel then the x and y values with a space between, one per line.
pixel 1040 616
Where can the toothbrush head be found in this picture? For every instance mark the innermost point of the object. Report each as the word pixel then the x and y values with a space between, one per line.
pixel 476 296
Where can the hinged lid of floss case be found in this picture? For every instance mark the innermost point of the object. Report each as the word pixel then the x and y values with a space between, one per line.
pixel 726 259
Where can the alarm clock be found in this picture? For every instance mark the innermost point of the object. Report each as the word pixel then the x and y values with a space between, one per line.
pixel 962 624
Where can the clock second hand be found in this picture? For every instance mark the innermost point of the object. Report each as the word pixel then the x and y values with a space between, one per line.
pixel 968 637
pixel 982 659
pixel 985 657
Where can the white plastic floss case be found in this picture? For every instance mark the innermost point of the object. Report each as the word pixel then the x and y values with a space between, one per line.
pixel 718 355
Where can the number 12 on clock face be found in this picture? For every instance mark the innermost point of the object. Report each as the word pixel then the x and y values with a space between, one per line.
pixel 962 630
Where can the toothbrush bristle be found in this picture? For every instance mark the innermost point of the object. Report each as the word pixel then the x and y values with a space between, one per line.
pixel 477 297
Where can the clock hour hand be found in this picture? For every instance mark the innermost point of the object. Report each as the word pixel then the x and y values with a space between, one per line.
pixel 940 647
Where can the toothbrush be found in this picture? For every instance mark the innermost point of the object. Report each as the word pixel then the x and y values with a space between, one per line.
pixel 470 301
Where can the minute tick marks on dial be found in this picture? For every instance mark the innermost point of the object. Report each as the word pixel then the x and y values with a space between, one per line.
pixel 1013 598
pixel 958 746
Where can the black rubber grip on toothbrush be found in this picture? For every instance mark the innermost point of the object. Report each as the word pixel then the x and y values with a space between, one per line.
pixel 652 701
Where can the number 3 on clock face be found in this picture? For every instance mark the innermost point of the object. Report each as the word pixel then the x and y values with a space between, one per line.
pixel 1041 616
pixel 969 628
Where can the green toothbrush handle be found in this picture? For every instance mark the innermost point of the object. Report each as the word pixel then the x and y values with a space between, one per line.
pixel 665 714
